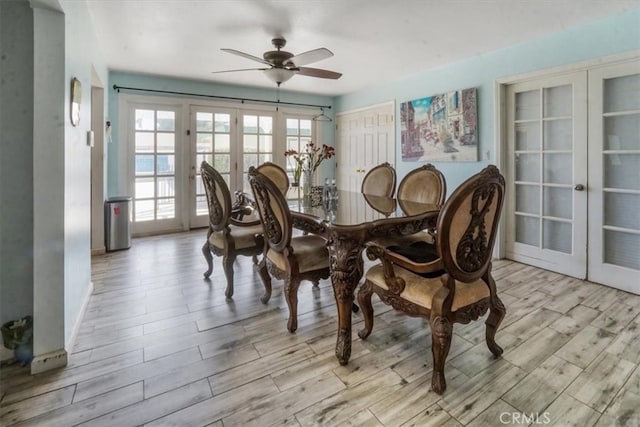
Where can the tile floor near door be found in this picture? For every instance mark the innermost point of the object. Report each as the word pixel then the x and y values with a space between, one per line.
pixel 158 345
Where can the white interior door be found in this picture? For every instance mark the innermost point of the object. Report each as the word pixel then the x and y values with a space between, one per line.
pixel 614 178
pixel 547 173
pixel 365 138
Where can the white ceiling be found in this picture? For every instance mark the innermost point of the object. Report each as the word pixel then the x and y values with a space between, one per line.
pixel 374 41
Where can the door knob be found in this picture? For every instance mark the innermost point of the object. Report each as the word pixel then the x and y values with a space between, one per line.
pixel 579 187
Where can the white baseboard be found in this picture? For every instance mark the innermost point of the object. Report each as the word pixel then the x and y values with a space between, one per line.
pixel 76 326
pixel 48 361
pixel 59 358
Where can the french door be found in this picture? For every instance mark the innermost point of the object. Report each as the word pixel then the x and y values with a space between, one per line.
pixel 168 140
pixel 573 156
pixel 231 141
pixel 547 154
pixel 156 135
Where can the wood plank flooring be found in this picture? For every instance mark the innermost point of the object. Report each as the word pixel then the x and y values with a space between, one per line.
pixel 161 346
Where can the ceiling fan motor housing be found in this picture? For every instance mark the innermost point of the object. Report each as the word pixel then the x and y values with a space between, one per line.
pixel 277 57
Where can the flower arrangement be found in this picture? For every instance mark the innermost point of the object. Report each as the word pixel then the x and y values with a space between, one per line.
pixel 310 159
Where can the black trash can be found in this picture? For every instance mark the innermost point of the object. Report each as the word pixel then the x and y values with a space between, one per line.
pixel 117 221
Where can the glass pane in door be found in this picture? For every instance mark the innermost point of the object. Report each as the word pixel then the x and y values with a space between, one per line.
pixel 213 136
pixel 543 167
pixel 621 176
pixel 257 144
pixel 154 165
pixel 299 134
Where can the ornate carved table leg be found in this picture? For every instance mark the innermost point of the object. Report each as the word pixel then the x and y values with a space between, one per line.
pixel 345 255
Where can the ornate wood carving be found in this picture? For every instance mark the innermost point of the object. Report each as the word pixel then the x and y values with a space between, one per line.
pixel 472 312
pixel 472 251
pixel 216 210
pixel 346 264
pixel 270 223
pixel 343 345
pixel 401 304
pixel 388 228
pixel 309 226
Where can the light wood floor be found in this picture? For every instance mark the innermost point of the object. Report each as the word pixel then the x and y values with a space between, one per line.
pixel 159 345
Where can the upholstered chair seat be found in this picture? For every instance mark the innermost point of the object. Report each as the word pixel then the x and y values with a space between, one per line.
pixel 310 250
pixel 420 290
pixel 242 236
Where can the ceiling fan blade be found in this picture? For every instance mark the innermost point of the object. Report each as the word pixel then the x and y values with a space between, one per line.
pixel 317 72
pixel 239 69
pixel 310 56
pixel 248 56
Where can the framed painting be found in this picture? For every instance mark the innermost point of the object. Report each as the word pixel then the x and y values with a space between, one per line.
pixel 440 128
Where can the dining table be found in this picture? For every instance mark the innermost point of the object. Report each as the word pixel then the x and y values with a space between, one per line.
pixel 348 222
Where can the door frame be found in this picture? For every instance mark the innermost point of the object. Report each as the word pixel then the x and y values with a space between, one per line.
pixel 501 135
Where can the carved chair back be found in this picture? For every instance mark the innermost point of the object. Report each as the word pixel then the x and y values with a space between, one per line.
pixel 273 209
pixel 276 174
pixel 425 184
pixel 468 223
pixel 218 197
pixel 380 181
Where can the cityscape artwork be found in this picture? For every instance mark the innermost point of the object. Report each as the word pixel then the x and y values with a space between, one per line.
pixel 440 128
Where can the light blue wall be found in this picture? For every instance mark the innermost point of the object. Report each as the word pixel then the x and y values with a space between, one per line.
pixel 82 57
pixel 115 171
pixel 16 161
pixel 613 35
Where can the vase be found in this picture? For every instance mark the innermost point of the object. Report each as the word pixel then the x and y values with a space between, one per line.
pixel 308 178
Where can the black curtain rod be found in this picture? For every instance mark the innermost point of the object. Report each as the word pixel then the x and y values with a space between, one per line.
pixel 233 98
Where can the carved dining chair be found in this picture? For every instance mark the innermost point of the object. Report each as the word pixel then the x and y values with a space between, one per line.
pixel 463 289
pixel 380 181
pixel 276 174
pixel 286 257
pixel 425 184
pixel 227 236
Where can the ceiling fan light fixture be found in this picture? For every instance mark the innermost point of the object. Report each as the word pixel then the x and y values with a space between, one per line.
pixel 279 75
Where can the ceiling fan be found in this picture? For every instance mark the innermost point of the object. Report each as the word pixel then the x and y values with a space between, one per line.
pixel 283 65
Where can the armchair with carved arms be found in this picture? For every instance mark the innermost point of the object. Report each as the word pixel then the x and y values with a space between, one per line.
pixel 455 285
